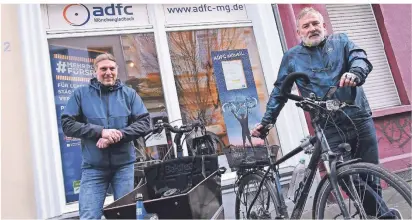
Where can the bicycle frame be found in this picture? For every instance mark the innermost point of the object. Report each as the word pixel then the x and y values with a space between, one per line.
pixel 321 152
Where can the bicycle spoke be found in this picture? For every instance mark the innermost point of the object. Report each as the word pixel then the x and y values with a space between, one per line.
pixel 262 206
pixel 373 195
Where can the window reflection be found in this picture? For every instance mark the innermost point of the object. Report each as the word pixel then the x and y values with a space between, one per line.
pixel 143 75
pixel 142 68
pixel 194 75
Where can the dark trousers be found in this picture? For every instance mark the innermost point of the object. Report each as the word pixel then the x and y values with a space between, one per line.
pixel 364 146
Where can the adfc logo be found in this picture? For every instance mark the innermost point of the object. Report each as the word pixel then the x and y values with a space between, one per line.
pixel 76 14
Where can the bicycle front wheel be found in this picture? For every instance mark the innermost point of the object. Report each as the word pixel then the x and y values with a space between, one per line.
pixel 264 205
pixel 369 191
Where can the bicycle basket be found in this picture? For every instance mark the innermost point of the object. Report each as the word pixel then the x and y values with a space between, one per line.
pixel 247 157
pixel 139 167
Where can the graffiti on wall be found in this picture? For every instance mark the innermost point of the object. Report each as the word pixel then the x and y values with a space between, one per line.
pixel 394 139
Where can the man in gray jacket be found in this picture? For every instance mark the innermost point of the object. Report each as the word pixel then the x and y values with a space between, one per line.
pixel 107 116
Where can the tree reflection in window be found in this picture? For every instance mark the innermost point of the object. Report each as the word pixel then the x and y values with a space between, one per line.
pixel 193 70
pixel 142 66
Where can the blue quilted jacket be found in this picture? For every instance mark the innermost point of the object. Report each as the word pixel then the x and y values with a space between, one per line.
pixel 324 64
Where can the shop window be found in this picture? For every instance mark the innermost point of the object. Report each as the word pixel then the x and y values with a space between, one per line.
pixel 198 71
pixel 72 66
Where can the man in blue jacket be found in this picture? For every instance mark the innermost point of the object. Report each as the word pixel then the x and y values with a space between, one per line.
pixel 328 61
pixel 107 116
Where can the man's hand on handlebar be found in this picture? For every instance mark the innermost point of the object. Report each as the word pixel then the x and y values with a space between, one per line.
pixel 261 131
pixel 349 79
pixel 256 131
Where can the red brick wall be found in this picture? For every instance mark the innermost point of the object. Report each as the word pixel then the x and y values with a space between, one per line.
pixel 394 140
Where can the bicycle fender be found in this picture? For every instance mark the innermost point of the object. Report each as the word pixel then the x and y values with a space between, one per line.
pixel 325 178
pixel 348 162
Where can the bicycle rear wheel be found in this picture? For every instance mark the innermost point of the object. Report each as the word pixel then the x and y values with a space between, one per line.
pixel 216 145
pixel 213 144
pixel 264 205
pixel 365 200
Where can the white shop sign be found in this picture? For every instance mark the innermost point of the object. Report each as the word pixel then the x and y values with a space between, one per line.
pixel 204 13
pixel 102 16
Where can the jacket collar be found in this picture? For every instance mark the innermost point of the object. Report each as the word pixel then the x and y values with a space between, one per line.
pixel 99 86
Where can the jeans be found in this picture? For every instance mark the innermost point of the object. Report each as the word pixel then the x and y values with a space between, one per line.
pixel 94 184
pixel 366 149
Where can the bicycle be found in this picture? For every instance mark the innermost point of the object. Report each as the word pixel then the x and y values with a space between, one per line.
pixel 200 144
pixel 337 171
pixel 203 142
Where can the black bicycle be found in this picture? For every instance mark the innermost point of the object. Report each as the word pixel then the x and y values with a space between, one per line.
pixel 203 142
pixel 199 142
pixel 344 189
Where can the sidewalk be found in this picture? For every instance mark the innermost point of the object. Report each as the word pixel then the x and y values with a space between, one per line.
pixel 392 198
pixel 389 195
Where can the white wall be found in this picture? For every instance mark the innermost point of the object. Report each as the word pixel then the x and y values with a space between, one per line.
pixel 17 183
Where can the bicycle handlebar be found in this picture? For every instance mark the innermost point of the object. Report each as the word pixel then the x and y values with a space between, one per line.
pixel 288 83
pixel 285 94
pixel 285 89
pixel 183 129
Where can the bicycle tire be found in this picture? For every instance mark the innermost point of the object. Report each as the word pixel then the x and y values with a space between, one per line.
pixel 258 176
pixel 321 196
pixel 212 147
pixel 217 140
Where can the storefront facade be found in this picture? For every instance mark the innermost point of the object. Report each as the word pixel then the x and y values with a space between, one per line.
pixel 160 50
pixel 170 54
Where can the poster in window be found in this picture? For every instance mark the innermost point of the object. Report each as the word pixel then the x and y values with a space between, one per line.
pixel 71 68
pixel 238 95
pixel 234 74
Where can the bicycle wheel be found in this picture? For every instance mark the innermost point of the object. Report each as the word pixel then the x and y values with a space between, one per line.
pixel 264 205
pixel 212 143
pixel 362 199
pixel 216 144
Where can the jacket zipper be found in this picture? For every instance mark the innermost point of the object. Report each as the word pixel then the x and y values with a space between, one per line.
pixel 320 52
pixel 107 115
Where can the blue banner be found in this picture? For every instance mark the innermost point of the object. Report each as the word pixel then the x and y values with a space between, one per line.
pixel 238 95
pixel 71 68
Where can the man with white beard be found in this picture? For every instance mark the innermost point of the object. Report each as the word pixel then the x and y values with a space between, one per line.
pixel 332 60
